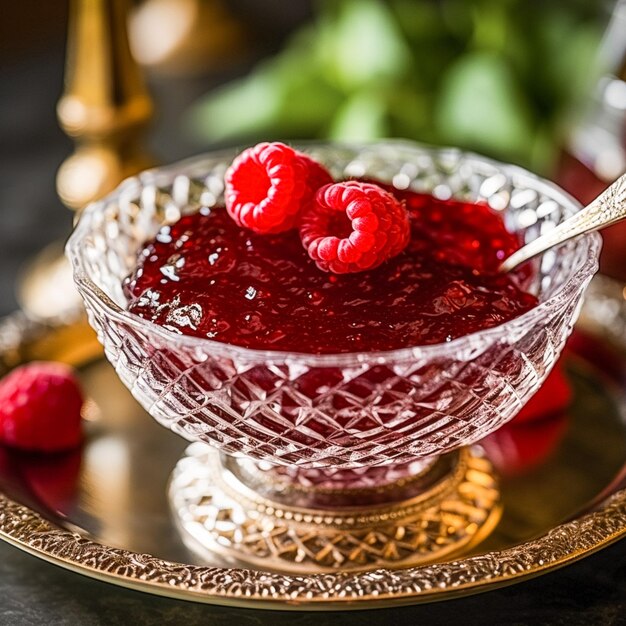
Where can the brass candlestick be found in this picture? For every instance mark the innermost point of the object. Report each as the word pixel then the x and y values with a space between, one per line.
pixel 105 108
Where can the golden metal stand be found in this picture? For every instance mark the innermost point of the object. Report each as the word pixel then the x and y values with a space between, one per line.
pixel 221 511
pixel 105 108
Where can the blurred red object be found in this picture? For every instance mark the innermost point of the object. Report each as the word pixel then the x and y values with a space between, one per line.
pixel 595 152
pixel 554 396
pixel 517 448
pixel 585 185
pixel 531 437
pixel 40 407
pixel 53 478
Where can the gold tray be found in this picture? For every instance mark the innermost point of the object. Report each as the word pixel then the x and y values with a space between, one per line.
pixel 103 511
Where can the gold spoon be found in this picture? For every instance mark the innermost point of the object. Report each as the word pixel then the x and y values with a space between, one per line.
pixel 609 207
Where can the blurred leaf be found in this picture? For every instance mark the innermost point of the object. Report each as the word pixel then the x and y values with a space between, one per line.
pixel 571 51
pixel 491 25
pixel 457 16
pixel 481 105
pixel 410 113
pixel 498 76
pixel 242 107
pixel 366 46
pixel 419 21
pixel 544 150
pixel 361 118
pixel 286 96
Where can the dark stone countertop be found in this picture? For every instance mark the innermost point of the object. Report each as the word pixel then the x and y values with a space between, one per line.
pixel 33 592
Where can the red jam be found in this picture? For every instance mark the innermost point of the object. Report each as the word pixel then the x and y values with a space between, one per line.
pixel 206 276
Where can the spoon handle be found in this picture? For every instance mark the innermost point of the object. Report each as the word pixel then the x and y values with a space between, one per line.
pixel 609 207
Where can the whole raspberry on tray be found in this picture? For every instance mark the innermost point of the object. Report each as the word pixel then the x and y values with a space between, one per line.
pixel 353 226
pixel 40 405
pixel 267 185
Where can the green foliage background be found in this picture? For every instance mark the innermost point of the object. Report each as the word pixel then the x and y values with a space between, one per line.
pixel 497 76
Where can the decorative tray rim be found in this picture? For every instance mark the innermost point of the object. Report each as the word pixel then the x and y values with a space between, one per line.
pixel 572 540
pixel 566 543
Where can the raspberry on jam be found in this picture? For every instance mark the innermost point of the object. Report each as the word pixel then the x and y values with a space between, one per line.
pixel 267 185
pixel 353 226
pixel 208 277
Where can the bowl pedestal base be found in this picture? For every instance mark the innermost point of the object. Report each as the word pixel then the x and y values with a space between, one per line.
pixel 316 521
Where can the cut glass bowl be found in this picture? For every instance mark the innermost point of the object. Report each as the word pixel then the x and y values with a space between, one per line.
pixel 333 411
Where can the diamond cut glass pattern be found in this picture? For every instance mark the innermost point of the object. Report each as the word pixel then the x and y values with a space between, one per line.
pixel 346 410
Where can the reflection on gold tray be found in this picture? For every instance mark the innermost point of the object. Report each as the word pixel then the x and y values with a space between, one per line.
pixel 103 511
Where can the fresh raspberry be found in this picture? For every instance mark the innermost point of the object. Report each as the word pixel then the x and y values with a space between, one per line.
pixel 267 185
pixel 317 174
pixel 353 226
pixel 40 407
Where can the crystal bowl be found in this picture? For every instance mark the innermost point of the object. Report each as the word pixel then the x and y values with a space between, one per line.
pixel 340 411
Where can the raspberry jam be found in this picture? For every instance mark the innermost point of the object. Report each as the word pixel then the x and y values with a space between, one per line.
pixel 206 276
